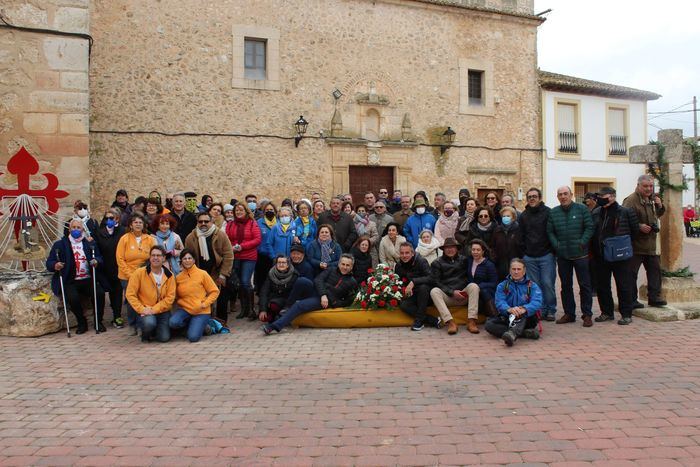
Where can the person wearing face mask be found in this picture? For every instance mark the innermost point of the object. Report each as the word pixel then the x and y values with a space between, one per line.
pixel 281 236
pixel 252 202
pixel 76 259
pixel 611 220
pixel 395 203
pixel 80 211
pixel 335 288
pixel 196 292
pixel 107 237
pixel 570 228
pixel 507 243
pixel 418 222
pixel 463 196
pixel 264 262
pixel 447 222
pixel 244 234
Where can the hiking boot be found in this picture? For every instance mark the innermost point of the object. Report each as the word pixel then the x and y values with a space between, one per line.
pixel 451 327
pixel 471 326
pixel 207 330
pixel 417 326
pixel 657 303
pixel 638 306
pixel 566 319
pixel 267 329
pixel 587 321
pixel 531 333
pixel 603 317
pixel 509 338
pixel 118 323
pixel 549 318
pixel 625 321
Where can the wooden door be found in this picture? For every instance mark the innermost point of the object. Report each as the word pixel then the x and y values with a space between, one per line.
pixel 364 179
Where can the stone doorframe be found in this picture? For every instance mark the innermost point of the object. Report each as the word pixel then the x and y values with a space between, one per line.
pixel 345 154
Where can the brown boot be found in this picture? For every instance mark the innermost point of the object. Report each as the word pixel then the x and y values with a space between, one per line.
pixel 471 326
pixel 451 327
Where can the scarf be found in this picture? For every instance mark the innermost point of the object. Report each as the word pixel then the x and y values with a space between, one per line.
pixel 202 236
pixel 167 241
pixel 326 250
pixel 468 218
pixel 281 278
pixel 428 249
pixel 305 227
pixel 485 228
pixel 446 226
pixel 240 224
pixel 270 223
pixel 361 224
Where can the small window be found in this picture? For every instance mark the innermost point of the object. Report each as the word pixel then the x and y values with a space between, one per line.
pixel 568 136
pixel 617 137
pixel 476 88
pixel 255 59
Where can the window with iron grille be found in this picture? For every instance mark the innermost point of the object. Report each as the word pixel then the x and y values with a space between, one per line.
pixel 617 137
pixel 568 136
pixel 255 58
pixel 476 91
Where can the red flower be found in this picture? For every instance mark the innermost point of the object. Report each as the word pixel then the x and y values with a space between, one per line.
pixel 382 288
pixel 394 288
pixel 393 302
pixel 381 303
pixel 363 304
pixel 386 269
pixel 376 292
pixel 370 270
pixel 363 284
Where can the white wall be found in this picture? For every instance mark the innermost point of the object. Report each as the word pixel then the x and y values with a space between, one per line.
pixel 593 163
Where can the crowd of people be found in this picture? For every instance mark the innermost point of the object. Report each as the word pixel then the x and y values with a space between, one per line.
pixel 175 265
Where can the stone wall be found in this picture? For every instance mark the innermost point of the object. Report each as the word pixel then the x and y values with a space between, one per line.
pixel 169 66
pixel 44 91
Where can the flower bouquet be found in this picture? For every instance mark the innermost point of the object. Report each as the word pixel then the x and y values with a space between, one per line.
pixel 382 289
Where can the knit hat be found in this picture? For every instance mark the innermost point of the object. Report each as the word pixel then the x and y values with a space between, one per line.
pixel 228 207
pixel 297 247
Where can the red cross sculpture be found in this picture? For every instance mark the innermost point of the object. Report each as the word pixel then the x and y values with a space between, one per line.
pixel 24 165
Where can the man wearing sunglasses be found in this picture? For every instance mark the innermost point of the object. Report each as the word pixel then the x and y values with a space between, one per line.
pixel 212 249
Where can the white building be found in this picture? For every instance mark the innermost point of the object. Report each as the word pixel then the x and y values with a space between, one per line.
pixel 587 130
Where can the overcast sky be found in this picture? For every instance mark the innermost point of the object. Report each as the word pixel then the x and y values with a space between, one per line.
pixel 644 44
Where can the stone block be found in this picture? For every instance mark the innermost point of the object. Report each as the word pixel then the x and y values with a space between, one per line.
pixel 74 170
pixel 58 101
pixel 74 124
pixel 74 80
pixel 674 312
pixel 676 290
pixel 26 14
pixel 41 123
pixel 64 145
pixel 72 19
pixel 21 316
pixel 46 79
pixel 66 54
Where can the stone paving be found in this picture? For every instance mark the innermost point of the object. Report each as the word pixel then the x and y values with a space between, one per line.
pixel 608 395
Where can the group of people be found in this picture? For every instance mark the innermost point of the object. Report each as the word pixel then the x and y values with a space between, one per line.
pixel 177 263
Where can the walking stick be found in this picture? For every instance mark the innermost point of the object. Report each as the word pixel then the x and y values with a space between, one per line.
pixel 94 292
pixel 63 293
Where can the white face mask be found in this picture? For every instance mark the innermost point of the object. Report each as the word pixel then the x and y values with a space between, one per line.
pixel 82 212
pixel 420 211
pixel 285 220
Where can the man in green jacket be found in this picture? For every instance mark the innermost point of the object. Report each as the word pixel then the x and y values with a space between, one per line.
pixel 570 228
pixel 648 207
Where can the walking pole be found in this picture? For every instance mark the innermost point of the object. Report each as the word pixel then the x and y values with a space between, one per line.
pixel 94 292
pixel 63 293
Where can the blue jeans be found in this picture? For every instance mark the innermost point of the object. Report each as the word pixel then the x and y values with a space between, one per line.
pixel 543 271
pixel 583 276
pixel 160 324
pixel 195 323
pixel 300 307
pixel 244 269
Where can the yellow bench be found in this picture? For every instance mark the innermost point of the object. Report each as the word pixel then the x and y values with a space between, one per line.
pixel 354 318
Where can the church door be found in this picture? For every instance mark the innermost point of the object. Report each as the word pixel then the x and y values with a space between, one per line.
pixel 364 179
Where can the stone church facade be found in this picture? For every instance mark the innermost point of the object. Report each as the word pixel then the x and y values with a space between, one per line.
pixel 204 97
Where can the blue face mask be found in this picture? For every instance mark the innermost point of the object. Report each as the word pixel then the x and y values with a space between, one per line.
pixel 252 205
pixel 76 233
pixel 111 223
pixel 506 220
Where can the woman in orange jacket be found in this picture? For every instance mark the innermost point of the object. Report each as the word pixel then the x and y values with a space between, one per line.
pixel 196 292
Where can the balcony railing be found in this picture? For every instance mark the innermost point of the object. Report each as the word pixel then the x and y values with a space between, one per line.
pixel 618 145
pixel 568 142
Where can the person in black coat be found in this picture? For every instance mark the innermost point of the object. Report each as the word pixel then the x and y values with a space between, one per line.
pixel 282 289
pixel 335 288
pixel 485 275
pixel 414 272
pixel 343 225
pixel 107 238
pixel 74 258
pixel 186 221
pixel 363 259
pixel 449 280
pixel 297 255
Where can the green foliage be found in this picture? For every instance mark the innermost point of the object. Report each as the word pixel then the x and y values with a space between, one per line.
pixel 683 272
pixel 660 171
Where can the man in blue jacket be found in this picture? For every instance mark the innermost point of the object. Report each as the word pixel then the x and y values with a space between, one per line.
pixel 518 300
pixel 418 222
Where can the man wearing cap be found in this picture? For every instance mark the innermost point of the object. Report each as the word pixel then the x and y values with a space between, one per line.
pixel 404 211
pixel 463 196
pixel 648 207
pixel 186 221
pixel 121 201
pixel 414 271
pixel 570 228
pixel 395 202
pixel 449 278
pixel 613 220
pixel 298 256
pixel 418 222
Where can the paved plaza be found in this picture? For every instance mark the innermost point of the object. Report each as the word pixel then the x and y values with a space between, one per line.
pixel 608 395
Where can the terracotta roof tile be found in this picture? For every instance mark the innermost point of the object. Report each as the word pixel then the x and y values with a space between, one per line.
pixel 556 82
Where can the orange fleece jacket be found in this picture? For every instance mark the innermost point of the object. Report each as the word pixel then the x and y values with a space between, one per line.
pixel 142 291
pixel 131 255
pixel 196 291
